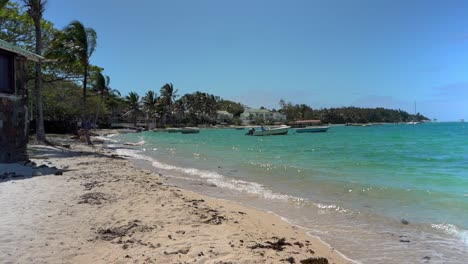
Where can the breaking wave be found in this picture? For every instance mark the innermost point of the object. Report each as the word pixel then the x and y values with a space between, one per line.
pixel 212 177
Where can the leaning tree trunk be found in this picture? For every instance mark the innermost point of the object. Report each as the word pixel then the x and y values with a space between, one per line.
pixel 98 108
pixel 85 118
pixel 40 131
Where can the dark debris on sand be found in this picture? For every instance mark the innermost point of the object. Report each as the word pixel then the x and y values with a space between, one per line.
pixel 278 245
pixel 289 260
pixel 93 198
pixel 91 185
pixel 314 261
pixel 128 229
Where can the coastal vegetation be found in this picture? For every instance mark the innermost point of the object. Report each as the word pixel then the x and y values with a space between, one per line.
pixel 67 69
pixel 343 115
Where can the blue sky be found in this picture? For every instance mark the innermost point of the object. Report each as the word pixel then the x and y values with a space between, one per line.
pixel 326 53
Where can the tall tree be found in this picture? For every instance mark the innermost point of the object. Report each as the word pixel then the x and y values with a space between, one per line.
pixel 76 44
pixel 35 9
pixel 168 96
pixel 102 88
pixel 150 101
pixel 133 104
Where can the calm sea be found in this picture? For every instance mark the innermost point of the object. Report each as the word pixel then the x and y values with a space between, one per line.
pixel 379 194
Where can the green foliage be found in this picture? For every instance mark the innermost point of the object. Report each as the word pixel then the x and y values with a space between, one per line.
pixel 17 27
pixel 232 107
pixel 3 3
pixel 133 106
pixel 150 103
pixel 347 114
pixel 196 108
pixel 297 112
pixel 76 43
pixel 62 101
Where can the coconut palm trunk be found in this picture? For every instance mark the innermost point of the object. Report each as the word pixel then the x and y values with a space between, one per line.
pixel 35 11
pixel 85 116
pixel 98 109
pixel 40 131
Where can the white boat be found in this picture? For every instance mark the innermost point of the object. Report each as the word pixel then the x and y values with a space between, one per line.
pixel 312 129
pixel 413 123
pixel 269 131
pixel 184 130
pixel 190 130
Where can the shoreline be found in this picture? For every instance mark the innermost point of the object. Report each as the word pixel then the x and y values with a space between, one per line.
pixel 352 231
pixel 103 209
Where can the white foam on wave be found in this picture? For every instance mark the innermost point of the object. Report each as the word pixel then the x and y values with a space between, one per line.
pixel 453 230
pixel 211 177
pixel 139 143
pixel 105 139
pixel 224 182
pixel 133 153
pixel 331 207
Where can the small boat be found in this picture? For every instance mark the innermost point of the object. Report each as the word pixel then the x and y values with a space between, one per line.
pixel 413 123
pixel 312 129
pixel 184 130
pixel 190 130
pixel 269 131
pixel 173 130
pixel 359 124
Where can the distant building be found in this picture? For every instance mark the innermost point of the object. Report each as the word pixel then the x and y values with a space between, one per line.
pixel 14 119
pixel 223 117
pixel 251 115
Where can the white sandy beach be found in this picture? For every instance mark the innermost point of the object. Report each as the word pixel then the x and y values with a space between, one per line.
pixel 103 209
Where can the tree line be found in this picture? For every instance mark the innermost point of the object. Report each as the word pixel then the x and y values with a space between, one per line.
pixel 170 109
pixel 343 115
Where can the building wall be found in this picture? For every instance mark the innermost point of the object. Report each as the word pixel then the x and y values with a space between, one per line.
pixel 14 125
pixel 274 116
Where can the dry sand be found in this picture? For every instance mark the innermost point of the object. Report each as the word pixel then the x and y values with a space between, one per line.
pixel 103 209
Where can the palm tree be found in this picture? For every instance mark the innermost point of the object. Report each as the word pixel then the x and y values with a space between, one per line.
pixel 133 102
pixel 150 101
pixel 75 44
pixel 102 88
pixel 35 9
pixel 168 96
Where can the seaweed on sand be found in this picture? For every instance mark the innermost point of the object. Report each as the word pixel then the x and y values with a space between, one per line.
pixel 278 245
pixel 314 261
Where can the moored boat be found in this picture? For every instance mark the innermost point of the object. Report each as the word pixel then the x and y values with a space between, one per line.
pixel 312 129
pixel 189 130
pixel 269 131
pixel 184 130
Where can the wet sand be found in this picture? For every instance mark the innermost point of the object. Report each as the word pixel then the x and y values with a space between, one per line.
pixel 103 209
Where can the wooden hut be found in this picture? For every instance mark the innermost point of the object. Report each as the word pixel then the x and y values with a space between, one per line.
pixel 14 119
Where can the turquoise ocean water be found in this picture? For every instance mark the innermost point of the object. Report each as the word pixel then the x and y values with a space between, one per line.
pixel 380 194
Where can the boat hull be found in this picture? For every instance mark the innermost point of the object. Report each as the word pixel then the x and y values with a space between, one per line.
pixel 272 132
pixel 190 131
pixel 312 129
pixel 186 130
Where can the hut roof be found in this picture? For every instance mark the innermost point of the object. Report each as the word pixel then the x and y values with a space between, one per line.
pixel 12 48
